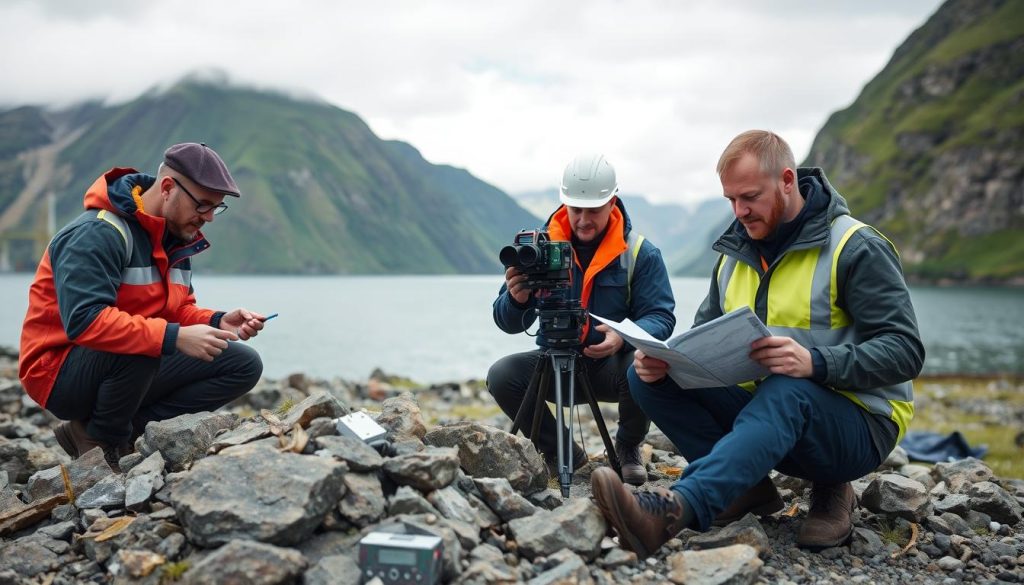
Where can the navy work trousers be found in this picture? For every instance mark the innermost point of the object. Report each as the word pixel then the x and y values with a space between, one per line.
pixel 117 393
pixel 509 378
pixel 733 438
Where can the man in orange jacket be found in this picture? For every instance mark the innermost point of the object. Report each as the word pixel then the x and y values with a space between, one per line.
pixel 113 338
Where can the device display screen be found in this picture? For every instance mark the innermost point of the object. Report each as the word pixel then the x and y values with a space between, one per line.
pixel 391 556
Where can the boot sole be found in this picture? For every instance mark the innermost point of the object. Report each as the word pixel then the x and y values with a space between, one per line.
pixel 603 493
pixel 65 441
pixel 820 546
pixel 760 510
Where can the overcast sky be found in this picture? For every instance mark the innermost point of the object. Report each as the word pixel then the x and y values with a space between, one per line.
pixel 508 90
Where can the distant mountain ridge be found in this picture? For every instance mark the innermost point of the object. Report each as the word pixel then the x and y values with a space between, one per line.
pixel 932 151
pixel 321 192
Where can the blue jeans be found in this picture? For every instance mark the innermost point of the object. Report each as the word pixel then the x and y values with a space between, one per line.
pixel 733 438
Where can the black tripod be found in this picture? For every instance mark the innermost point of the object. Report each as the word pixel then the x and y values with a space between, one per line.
pixel 565 367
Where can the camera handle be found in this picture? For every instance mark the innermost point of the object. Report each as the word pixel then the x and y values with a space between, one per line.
pixel 566 371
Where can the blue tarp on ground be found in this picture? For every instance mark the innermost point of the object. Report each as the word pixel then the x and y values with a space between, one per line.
pixel 935 448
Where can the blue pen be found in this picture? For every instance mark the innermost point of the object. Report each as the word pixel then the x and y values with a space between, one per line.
pixel 269 317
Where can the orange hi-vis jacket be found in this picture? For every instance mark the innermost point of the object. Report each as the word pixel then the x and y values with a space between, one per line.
pixel 111 280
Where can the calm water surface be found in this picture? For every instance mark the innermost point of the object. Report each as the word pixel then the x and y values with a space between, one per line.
pixel 439 328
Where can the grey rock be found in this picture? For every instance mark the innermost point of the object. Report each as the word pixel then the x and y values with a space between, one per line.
pixel 107 493
pixel 318 405
pixel 955 503
pixel 402 418
pixel 58 531
pixel 959 475
pixel 501 497
pixel 321 427
pixel 453 505
pixel 256 493
pixel 356 454
pixel 617 557
pixel 919 473
pixel 334 570
pixel 487 565
pixel 185 438
pixel 21 458
pixel 993 500
pixel 957 524
pixel 172 546
pixel 565 567
pixel 577 526
pixel 950 564
pixel 428 470
pixel 488 452
pixel 130 460
pixel 142 533
pixel 364 501
pixel 84 473
pixel 659 441
pixel 243 561
pixel 894 494
pixel 328 544
pixel 896 459
pixel 746 530
pixel 548 499
pixel 409 501
pixel 866 543
pixel 247 432
pixel 29 557
pixel 733 565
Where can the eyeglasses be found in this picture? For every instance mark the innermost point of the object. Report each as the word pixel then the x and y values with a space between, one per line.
pixel 202 208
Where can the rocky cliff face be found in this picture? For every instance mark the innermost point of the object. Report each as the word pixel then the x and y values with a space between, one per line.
pixel 932 151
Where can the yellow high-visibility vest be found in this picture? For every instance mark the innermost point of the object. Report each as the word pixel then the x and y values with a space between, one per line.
pixel 801 303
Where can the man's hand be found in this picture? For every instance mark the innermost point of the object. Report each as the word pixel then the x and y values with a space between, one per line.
pixel 649 369
pixel 611 344
pixel 515 282
pixel 242 322
pixel 782 355
pixel 202 341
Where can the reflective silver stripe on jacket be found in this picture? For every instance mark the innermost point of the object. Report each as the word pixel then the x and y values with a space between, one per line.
pixel 140 275
pixel 179 276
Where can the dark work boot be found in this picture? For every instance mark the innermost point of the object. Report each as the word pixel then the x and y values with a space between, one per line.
pixel 72 437
pixel 633 471
pixel 829 522
pixel 645 520
pixel 761 500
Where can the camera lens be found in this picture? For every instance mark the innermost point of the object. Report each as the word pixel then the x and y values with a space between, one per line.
pixel 508 256
pixel 528 255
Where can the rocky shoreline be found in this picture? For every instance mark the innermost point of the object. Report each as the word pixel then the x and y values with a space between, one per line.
pixel 265 491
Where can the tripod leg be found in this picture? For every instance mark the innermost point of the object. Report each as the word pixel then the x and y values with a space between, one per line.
pixel 613 459
pixel 540 404
pixel 531 395
pixel 563 367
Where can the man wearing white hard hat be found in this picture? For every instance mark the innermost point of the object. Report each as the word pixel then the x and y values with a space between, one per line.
pixel 616 274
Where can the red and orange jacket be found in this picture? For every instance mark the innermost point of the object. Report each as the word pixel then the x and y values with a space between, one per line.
pixel 88 291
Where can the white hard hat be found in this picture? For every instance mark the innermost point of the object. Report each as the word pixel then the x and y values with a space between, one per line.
pixel 588 181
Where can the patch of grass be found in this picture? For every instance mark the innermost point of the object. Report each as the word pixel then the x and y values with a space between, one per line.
pixel 475 411
pixel 171 572
pixel 940 409
pixel 286 405
pixel 891 533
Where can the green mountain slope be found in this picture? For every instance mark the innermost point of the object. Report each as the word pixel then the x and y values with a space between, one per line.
pixel 320 192
pixel 932 151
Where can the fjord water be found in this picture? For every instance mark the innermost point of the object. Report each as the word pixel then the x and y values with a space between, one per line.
pixel 439 328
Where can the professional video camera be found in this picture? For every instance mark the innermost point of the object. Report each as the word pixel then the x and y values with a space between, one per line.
pixel 547 265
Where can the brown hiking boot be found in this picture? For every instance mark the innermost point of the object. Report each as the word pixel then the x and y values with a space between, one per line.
pixel 633 471
pixel 761 500
pixel 829 522
pixel 645 520
pixel 72 437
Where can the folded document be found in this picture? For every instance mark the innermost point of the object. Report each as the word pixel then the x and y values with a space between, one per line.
pixel 716 353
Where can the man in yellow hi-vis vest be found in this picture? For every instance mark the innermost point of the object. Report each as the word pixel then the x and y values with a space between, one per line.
pixel 844 348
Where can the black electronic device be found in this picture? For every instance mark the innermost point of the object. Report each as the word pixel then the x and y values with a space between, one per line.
pixel 545 262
